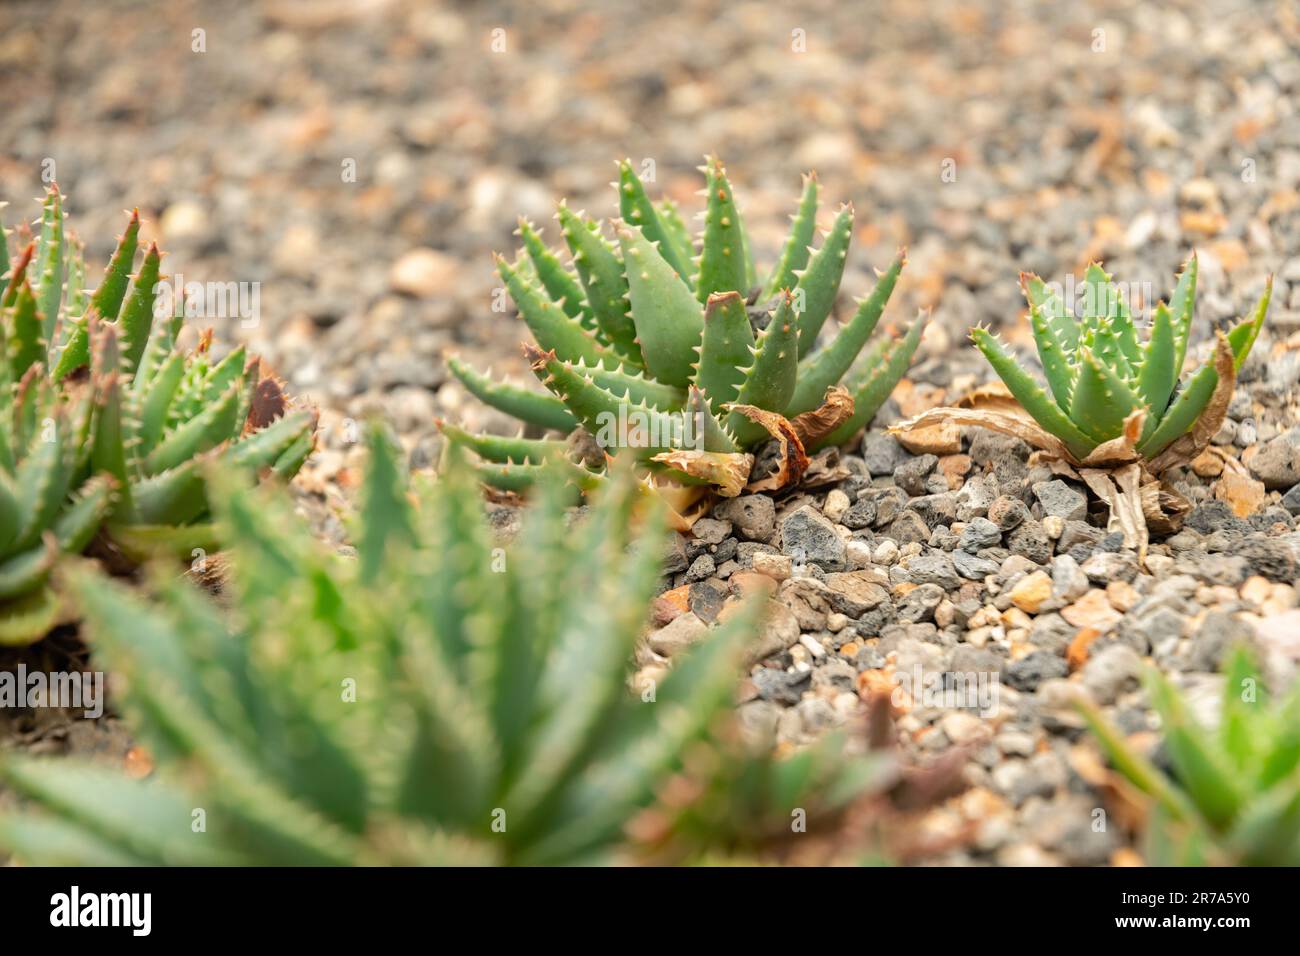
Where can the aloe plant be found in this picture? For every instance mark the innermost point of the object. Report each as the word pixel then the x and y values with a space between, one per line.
pixel 1234 793
pixel 434 699
pixel 654 341
pixel 1099 371
pixel 105 419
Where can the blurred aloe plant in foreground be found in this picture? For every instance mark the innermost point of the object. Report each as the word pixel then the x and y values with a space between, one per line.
pixel 1234 794
pixel 675 348
pixel 106 420
pixel 436 699
pixel 1099 372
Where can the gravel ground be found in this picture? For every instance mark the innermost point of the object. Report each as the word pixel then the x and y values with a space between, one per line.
pixel 1124 132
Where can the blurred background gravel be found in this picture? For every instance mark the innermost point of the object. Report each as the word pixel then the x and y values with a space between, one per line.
pixel 1118 130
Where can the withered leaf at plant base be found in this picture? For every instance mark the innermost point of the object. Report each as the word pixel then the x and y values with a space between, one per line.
pixel 727 470
pixel 835 410
pixel 793 460
pixel 1184 449
pixel 1121 488
pixel 1005 421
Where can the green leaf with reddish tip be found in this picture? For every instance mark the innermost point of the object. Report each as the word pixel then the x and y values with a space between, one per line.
pixel 559 284
pixel 669 321
pixel 827 366
pixel 1101 400
pixel 727 350
pixel 552 329
pixel 1031 397
pixel 637 210
pixel 157 401
pixel 770 379
pixel 1054 310
pixel 722 255
pixel 525 404
pixel 107 299
pixel 49 262
pixel 675 229
pixel 1243 334
pixel 795 253
pixel 500 448
pixel 1182 305
pixel 601 273
pixel 1156 376
pixel 136 319
pixel 26 339
pixel 820 282
pixel 75 354
pixel 878 381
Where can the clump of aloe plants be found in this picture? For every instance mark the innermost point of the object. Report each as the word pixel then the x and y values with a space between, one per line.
pixel 1100 371
pixel 1233 796
pixel 105 420
pixel 435 699
pixel 674 347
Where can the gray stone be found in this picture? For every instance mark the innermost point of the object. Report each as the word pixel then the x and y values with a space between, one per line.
pixel 911 475
pixel 1059 499
pixel 701 568
pixel 1277 463
pixel 861 514
pixel 779 686
pixel 678 634
pixel 853 592
pixel 919 603
pixel 1069 582
pixel 1077 533
pixel 1007 512
pixel 882 453
pixel 937 509
pixel 1218 633
pixel 1029 540
pixel 908 527
pixel 971 567
pixel 753 516
pixel 933 568
pixel 1111 671
pixel 1291 500
pixel 711 530
pixel 978 534
pixel 809 538
pixel 974 498
pixel 1034 668
pixel 1106 566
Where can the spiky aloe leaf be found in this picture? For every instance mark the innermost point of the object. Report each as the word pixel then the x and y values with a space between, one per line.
pixel 827 366
pixel 795 252
pixel 137 316
pixel 107 299
pixel 877 380
pixel 1034 400
pixel 500 448
pixel 601 274
pixel 562 287
pixel 722 253
pixel 669 321
pixel 1181 305
pixel 1101 399
pixel 1054 310
pixel 1057 364
pixel 26 337
pixel 1156 375
pixel 1102 301
pixel 526 404
pixel 770 380
pixel 674 227
pixel 1186 408
pixel 727 349
pixel 637 210
pixel 819 283
pixel 50 262
pixel 1242 336
pixel 548 322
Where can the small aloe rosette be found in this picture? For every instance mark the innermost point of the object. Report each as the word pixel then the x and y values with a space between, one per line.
pixel 106 421
pixel 673 347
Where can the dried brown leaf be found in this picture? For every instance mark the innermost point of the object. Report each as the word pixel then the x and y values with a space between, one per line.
pixel 726 471
pixel 793 460
pixel 835 409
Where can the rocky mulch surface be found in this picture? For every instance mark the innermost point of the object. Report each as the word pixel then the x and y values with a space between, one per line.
pixel 985 595
pixel 1067 132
